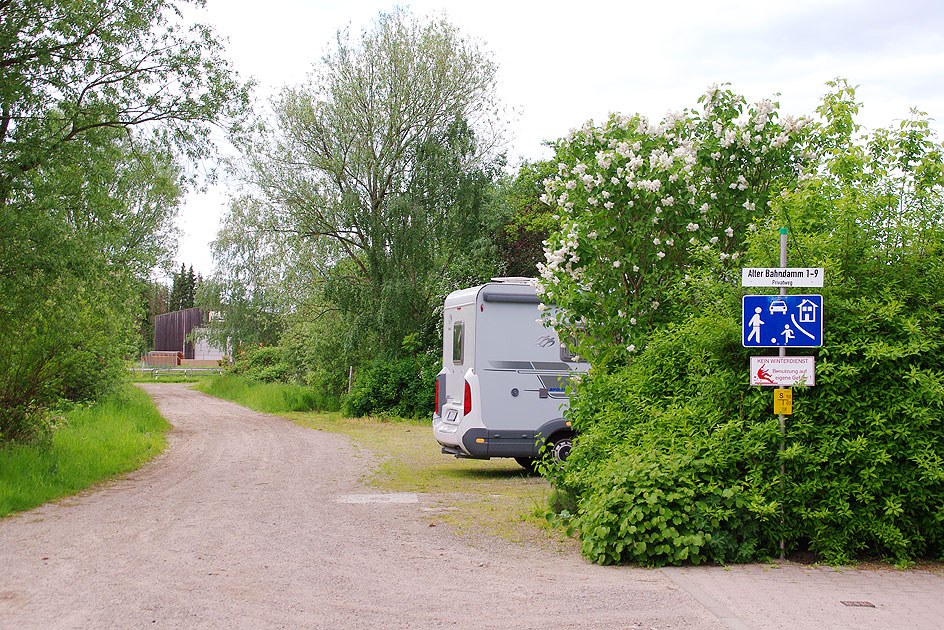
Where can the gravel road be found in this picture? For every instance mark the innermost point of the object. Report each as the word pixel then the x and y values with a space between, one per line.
pixel 249 521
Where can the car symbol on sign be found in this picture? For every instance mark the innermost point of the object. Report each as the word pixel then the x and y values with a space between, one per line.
pixel 778 306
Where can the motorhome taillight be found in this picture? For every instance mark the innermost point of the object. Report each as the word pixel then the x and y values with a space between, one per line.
pixel 467 403
pixel 437 395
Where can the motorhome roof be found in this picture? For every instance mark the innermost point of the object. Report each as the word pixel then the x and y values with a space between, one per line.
pixel 513 280
pixel 514 287
pixel 462 297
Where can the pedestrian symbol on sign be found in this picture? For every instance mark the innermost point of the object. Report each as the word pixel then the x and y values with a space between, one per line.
pixel 755 324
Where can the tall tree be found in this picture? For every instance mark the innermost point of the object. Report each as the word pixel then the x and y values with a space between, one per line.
pixel 377 164
pixel 183 292
pixel 99 101
pixel 69 68
pixel 176 289
pixel 191 289
pixel 527 221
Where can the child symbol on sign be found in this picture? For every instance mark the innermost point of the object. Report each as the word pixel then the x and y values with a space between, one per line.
pixel 787 335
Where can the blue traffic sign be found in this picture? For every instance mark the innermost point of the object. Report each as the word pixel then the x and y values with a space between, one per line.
pixel 774 321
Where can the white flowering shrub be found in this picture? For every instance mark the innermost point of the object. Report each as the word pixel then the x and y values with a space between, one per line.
pixel 641 204
pixel 678 460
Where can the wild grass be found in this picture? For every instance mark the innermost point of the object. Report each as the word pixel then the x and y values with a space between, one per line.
pixel 264 397
pixel 91 444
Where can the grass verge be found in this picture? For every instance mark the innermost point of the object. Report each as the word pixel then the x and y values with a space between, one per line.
pixel 264 397
pixel 495 496
pixel 92 444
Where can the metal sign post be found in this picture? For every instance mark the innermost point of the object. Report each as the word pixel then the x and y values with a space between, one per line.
pixel 783 426
pixel 782 321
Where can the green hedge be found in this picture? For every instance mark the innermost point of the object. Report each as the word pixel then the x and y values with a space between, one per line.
pixel 402 387
pixel 678 458
pixel 267 364
pixel 261 378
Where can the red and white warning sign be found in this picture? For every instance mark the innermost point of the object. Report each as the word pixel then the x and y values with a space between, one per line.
pixel 783 371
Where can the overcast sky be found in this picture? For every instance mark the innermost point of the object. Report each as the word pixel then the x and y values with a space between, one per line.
pixel 562 63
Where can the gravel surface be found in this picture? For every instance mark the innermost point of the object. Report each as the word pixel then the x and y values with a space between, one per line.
pixel 249 521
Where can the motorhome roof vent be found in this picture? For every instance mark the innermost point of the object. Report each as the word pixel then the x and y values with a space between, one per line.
pixel 513 280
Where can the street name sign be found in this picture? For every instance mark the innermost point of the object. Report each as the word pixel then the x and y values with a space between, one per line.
pixel 782 277
pixel 782 321
pixel 783 371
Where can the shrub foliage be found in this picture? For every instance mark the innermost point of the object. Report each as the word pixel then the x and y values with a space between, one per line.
pixel 404 387
pixel 680 460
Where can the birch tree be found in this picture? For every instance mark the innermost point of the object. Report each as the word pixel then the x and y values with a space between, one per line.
pixel 380 162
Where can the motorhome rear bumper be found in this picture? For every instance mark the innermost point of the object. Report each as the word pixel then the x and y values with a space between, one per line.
pixel 479 443
pixel 474 444
pixel 485 444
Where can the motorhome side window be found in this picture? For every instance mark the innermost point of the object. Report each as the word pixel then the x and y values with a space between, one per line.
pixel 567 351
pixel 458 337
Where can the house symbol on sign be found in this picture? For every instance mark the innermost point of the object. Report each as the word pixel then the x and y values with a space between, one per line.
pixel 807 311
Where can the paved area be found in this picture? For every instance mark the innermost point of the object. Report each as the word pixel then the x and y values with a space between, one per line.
pixel 800 597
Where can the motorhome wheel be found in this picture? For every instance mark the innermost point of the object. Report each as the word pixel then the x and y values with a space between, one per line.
pixel 560 448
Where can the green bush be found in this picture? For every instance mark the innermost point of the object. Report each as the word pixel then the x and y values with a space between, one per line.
pixel 866 445
pixel 667 469
pixel 321 345
pixel 68 348
pixel 401 387
pixel 667 507
pixel 678 458
pixel 267 364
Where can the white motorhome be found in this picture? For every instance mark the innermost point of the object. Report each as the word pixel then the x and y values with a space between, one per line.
pixel 502 390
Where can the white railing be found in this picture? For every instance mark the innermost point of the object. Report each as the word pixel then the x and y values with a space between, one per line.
pixel 186 372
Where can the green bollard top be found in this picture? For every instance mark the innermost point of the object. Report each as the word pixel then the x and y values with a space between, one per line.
pixel 783 230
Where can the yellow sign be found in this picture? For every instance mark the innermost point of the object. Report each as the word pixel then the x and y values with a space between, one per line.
pixel 783 401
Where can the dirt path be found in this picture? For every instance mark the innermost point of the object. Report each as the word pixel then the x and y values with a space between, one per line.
pixel 248 521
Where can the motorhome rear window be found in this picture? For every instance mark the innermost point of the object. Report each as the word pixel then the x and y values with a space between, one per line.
pixel 458 337
pixel 516 298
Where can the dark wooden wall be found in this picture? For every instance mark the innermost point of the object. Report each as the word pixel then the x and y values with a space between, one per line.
pixel 171 330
